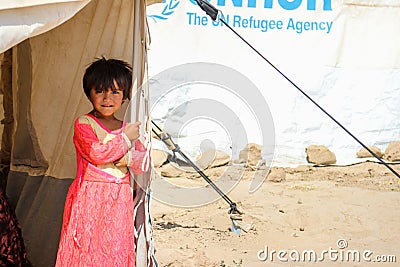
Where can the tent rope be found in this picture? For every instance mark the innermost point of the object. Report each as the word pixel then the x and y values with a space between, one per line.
pixel 167 140
pixel 211 11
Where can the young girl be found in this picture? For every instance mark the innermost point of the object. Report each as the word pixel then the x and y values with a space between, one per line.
pixel 98 222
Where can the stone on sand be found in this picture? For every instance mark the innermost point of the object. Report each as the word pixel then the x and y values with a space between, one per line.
pixel 171 170
pixel 251 154
pixel 158 157
pixel 319 154
pixel 276 175
pixel 212 158
pixel 363 153
pixel 392 152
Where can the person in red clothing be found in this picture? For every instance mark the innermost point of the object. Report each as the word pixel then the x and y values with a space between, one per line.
pixel 12 247
pixel 98 221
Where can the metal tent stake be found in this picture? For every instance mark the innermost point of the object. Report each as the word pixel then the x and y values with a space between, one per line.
pixel 166 138
pixel 235 215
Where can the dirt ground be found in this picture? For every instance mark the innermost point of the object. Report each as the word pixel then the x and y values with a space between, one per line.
pixel 303 216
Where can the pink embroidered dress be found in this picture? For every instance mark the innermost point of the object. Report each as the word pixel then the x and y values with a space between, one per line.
pixel 98 222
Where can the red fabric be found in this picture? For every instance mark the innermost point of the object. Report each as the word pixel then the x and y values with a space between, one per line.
pixel 98 223
pixel 138 155
pixel 12 247
pixel 93 150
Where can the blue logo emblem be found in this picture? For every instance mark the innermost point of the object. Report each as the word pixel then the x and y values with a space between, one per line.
pixel 168 10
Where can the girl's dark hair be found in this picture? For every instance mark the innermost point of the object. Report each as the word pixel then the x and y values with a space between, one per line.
pixel 102 73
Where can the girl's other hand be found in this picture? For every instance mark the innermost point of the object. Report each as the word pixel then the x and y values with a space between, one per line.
pixel 132 130
pixel 121 162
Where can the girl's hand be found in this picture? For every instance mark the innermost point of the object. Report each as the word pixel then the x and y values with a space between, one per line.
pixel 121 162
pixel 132 130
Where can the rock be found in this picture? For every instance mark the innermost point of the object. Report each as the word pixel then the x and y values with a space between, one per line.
pixel 215 173
pixel 171 170
pixel 363 153
pixel 320 155
pixel 158 157
pixel 238 161
pixel 262 165
pixel 212 158
pixel 251 154
pixel 276 175
pixel 392 152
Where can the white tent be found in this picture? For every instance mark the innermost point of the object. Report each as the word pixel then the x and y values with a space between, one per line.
pixel 343 54
pixel 45 46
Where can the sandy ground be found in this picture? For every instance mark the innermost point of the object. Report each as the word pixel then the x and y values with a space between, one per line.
pixel 339 213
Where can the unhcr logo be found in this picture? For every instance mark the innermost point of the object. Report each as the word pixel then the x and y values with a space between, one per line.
pixel 167 10
pixel 285 4
pixel 169 6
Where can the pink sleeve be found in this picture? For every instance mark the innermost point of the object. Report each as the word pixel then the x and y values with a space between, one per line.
pixel 93 150
pixel 138 155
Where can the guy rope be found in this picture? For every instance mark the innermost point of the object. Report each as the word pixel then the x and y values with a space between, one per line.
pixel 235 214
pixel 212 11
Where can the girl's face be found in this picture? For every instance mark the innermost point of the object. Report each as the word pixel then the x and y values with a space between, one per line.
pixel 106 102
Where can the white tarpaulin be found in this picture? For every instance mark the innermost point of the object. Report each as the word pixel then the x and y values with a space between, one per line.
pixel 21 19
pixel 343 54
